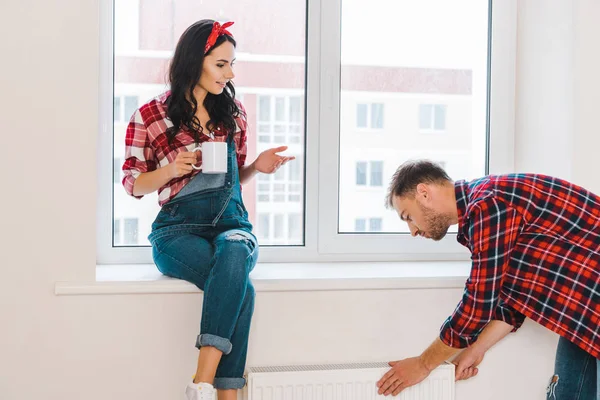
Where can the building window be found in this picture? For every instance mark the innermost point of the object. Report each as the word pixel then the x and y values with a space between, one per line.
pixel 264 225
pixel 432 117
pixel 361 173
pixel 125 231
pixel 117 170
pixel 360 225
pixel 117 232
pixel 376 173
pixel 131 230
pixel 369 174
pixel 124 107
pixel 280 119
pixel 375 224
pixel 295 227
pixel 369 116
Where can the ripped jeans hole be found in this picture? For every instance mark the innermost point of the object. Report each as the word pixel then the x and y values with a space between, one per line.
pixel 237 236
pixel 551 389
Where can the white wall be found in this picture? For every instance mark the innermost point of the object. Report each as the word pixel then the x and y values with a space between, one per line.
pixel 141 346
pixel 586 146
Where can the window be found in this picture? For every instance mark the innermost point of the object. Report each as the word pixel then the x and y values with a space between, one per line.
pixel 125 231
pixel 369 116
pixel 270 78
pixel 117 231
pixel 432 117
pixel 375 224
pixel 124 107
pixel 131 230
pixel 361 173
pixel 264 225
pixel 319 85
pixel 373 170
pixel 117 174
pixel 280 119
pixel 360 225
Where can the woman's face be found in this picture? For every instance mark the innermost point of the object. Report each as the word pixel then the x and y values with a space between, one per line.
pixel 217 68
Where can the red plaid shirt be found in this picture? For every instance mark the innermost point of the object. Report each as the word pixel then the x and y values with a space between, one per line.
pixel 147 148
pixel 535 244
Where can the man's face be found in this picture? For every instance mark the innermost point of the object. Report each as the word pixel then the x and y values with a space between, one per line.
pixel 421 213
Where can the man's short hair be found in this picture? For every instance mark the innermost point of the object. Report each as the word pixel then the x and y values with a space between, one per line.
pixel 410 174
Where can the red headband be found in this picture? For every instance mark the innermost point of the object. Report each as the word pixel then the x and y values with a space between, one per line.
pixel 217 30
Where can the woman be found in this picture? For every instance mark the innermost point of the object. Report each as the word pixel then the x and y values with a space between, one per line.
pixel 202 233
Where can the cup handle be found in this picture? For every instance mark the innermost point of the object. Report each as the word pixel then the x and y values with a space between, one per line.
pixel 199 148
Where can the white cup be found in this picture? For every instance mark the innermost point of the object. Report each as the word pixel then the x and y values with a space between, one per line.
pixel 214 157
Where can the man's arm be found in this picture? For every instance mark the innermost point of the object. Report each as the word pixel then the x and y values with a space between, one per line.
pixel 467 361
pixel 436 354
pixel 493 229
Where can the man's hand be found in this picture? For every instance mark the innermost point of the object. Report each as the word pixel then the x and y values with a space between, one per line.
pixel 467 362
pixel 403 374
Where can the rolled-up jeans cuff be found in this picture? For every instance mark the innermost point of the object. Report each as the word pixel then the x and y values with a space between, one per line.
pixel 217 342
pixel 229 383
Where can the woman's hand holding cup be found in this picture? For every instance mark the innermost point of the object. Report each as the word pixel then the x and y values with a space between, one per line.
pixel 182 164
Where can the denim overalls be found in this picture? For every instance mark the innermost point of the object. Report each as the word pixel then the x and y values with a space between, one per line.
pixel 203 236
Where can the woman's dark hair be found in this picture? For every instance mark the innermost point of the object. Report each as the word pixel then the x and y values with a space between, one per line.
pixel 410 174
pixel 184 74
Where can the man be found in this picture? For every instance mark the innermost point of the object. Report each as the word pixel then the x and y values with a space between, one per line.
pixel 535 251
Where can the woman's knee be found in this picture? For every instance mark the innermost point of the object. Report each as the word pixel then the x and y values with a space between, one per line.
pixel 238 246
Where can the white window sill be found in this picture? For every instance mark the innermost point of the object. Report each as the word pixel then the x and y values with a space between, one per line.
pixel 282 277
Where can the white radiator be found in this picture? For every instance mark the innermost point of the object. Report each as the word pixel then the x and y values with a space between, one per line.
pixel 341 382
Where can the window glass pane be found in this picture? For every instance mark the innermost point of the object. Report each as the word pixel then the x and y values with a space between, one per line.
pixel 438 65
pixel 270 79
pixel 278 227
pixel 295 226
pixel 131 104
pixel 117 231
pixel 295 109
pixel 264 108
pixel 295 170
pixel 263 226
pixel 117 109
pixel 264 128
pixel 117 170
pixel 360 225
pixel 280 109
pixel 375 224
pixel 377 116
pixel 376 173
pixel 425 116
pixel 440 117
pixel 361 173
pixel 131 230
pixel 361 115
pixel 279 175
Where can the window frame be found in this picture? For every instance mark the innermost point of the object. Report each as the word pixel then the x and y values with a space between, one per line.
pixel 322 242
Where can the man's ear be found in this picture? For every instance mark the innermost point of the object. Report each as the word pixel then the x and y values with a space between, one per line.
pixel 423 192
